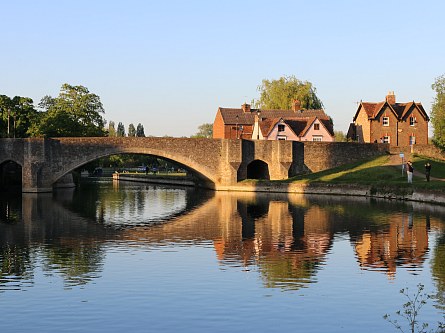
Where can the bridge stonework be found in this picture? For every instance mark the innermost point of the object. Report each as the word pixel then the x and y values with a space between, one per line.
pixel 217 163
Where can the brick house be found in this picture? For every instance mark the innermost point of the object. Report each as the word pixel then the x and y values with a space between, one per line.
pixel 399 124
pixel 296 124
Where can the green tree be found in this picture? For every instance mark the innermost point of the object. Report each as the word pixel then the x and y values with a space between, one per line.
pixel 111 129
pixel 120 130
pixel 140 131
pixel 339 136
pixel 438 112
pixel 75 112
pixel 279 94
pixel 16 116
pixel 204 131
pixel 131 130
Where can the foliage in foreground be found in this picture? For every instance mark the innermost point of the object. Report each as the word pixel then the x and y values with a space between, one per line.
pixel 410 313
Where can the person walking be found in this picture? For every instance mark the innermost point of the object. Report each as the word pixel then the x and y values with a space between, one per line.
pixel 409 172
pixel 427 171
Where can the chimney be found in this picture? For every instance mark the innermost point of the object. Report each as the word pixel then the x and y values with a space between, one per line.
pixel 391 98
pixel 245 107
pixel 296 105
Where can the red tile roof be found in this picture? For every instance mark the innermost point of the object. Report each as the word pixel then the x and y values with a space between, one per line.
pixel 229 115
pixel 401 110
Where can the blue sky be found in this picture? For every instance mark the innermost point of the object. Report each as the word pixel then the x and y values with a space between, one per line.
pixel 170 64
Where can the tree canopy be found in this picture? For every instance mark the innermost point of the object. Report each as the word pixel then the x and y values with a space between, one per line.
pixel 131 130
pixel 140 131
pixel 17 114
pixel 75 112
pixel 438 111
pixel 120 132
pixel 204 131
pixel 279 94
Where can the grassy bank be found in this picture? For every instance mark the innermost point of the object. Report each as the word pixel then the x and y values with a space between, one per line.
pixel 377 173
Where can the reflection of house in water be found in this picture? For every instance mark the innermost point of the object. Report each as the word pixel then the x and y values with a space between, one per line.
pixel 279 240
pixel 404 242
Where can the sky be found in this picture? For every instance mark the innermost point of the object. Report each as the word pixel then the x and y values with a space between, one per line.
pixel 170 64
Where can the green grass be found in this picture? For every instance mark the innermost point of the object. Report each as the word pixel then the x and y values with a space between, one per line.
pixel 365 172
pixel 437 167
pixel 379 175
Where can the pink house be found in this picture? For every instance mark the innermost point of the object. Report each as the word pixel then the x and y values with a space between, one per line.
pixel 294 128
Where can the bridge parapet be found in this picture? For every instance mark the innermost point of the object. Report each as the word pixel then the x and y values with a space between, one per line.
pixel 217 163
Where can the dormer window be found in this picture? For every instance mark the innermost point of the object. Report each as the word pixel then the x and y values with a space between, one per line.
pixel 280 128
pixel 385 121
pixel 316 127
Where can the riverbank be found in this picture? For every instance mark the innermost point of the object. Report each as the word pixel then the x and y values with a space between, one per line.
pixel 181 180
pixel 373 191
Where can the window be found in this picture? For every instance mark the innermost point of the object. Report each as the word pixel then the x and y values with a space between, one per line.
pixel 386 139
pixel 385 121
pixel 317 138
pixel 412 140
pixel 281 137
pixel 316 127
pixel 412 121
pixel 281 128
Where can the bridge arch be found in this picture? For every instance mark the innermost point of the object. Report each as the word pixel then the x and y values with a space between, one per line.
pixel 10 175
pixel 203 176
pixel 258 169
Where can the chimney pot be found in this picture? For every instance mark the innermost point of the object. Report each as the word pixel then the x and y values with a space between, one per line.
pixel 245 107
pixel 296 105
pixel 391 98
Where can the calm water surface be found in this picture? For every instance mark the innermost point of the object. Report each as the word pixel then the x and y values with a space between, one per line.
pixel 114 257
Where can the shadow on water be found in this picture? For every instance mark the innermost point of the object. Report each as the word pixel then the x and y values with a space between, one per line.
pixel 286 238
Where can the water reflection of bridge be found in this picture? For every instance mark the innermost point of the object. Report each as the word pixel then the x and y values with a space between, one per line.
pixel 287 237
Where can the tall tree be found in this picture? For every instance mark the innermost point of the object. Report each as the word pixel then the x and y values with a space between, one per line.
pixel 140 131
pixel 75 112
pixel 111 129
pixel 279 94
pixel 204 131
pixel 6 108
pixel 16 116
pixel 131 130
pixel 438 112
pixel 120 130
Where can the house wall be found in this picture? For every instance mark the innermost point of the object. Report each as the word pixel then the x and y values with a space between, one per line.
pixel 218 127
pixel 322 131
pixel 377 130
pixel 363 126
pixel 419 130
pixel 288 133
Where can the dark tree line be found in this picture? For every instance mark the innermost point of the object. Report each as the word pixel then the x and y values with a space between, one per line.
pixel 74 112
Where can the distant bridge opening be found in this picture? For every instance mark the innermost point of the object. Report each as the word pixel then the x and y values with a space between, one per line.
pixel 258 169
pixel 10 176
pixel 144 163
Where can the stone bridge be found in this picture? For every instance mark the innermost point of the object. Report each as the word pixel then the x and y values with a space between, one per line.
pixel 216 163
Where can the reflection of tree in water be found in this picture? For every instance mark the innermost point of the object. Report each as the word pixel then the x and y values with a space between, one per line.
pixel 66 243
pixel 10 208
pixel 15 264
pixel 78 263
pixel 438 268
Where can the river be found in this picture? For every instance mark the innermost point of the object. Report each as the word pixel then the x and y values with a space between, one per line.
pixel 116 256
